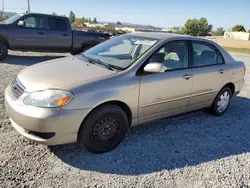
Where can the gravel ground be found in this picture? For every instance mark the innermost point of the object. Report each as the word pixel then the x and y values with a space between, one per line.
pixel 192 150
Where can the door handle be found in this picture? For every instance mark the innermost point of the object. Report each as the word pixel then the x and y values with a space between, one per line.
pixel 187 76
pixel 221 71
pixel 65 35
pixel 41 33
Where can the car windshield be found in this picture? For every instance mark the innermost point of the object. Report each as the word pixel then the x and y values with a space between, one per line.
pixel 120 52
pixel 12 19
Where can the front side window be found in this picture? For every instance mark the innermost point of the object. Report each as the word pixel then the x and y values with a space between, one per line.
pixel 57 24
pixel 35 22
pixel 174 55
pixel 204 55
pixel 121 51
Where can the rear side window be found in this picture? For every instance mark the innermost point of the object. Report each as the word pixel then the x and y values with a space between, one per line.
pixel 220 58
pixel 205 55
pixel 57 24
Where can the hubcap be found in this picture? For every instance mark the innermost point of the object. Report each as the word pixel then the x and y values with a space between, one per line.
pixel 105 130
pixel 223 101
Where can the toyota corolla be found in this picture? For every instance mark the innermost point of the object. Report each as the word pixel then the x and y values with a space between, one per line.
pixel 94 97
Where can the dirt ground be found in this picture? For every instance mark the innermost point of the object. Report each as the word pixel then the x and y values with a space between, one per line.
pixel 231 43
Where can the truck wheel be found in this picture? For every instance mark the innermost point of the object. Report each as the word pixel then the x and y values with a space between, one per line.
pixel 103 129
pixel 3 51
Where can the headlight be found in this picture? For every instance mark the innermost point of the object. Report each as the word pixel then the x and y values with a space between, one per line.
pixel 48 98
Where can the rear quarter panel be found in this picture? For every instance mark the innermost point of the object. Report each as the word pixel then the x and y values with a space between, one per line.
pixel 238 73
pixel 235 70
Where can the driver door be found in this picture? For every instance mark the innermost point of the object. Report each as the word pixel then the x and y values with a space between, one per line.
pixel 167 93
pixel 31 35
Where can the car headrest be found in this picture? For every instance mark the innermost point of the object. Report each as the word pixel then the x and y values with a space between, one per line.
pixel 158 57
pixel 208 54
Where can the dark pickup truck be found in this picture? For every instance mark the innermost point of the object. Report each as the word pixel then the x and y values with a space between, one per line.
pixel 44 33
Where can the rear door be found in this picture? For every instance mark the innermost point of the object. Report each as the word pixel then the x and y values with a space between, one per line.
pixel 210 73
pixel 59 34
pixel 31 35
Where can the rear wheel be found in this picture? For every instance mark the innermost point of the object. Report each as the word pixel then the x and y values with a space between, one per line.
pixel 3 51
pixel 104 129
pixel 221 102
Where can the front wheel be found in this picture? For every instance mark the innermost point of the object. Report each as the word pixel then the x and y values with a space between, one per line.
pixel 3 51
pixel 221 102
pixel 104 129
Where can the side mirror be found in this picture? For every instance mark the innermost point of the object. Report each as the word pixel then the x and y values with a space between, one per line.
pixel 155 67
pixel 20 24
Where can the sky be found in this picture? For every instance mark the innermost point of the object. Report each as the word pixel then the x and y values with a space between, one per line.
pixel 163 13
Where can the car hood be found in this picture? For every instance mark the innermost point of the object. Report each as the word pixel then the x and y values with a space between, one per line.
pixel 59 73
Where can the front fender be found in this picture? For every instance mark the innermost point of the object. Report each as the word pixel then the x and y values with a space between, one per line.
pixel 97 94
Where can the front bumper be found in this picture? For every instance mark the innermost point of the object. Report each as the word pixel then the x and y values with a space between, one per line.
pixel 51 126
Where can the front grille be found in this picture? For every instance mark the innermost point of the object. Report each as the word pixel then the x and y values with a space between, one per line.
pixel 17 88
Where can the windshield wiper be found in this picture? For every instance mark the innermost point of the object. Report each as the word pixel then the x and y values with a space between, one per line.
pixel 84 57
pixel 93 61
pixel 101 63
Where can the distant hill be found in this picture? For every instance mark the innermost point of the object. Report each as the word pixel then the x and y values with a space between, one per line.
pixel 131 25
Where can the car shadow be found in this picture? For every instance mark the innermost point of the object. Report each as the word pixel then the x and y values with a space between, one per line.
pixel 28 60
pixel 171 143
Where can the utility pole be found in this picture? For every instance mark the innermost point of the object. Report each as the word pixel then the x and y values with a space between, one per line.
pixel 2 5
pixel 28 1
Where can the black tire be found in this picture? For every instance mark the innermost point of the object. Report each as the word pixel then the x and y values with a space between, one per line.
pixel 214 109
pixel 104 129
pixel 3 51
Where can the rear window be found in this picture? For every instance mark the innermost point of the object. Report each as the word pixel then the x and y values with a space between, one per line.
pixel 57 24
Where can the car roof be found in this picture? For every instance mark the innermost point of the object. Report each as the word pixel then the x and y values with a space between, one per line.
pixel 170 36
pixel 42 14
pixel 160 35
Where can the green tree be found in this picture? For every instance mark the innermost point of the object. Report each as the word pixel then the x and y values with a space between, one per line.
pixel 118 23
pixel 249 31
pixel 219 32
pixel 239 28
pixel 5 17
pixel 94 20
pixel 78 22
pixel 195 27
pixel 90 21
pixel 72 17
pixel 84 19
